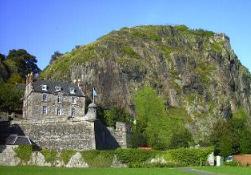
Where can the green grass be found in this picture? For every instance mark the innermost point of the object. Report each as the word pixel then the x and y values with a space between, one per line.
pixel 226 170
pixel 88 171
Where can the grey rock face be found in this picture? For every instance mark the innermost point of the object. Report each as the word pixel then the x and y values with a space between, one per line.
pixel 77 161
pixel 195 71
pixel 8 157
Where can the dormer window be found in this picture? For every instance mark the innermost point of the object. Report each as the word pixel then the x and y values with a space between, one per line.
pixel 44 87
pixel 57 88
pixel 72 90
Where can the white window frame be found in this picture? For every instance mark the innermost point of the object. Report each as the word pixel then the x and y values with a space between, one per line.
pixel 72 90
pixel 59 111
pixel 44 87
pixel 44 110
pixel 58 88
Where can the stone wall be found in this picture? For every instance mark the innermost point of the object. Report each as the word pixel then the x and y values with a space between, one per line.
pixel 8 157
pixel 110 138
pixel 59 135
pixel 73 134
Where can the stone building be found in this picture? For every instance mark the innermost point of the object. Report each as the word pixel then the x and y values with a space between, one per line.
pixel 49 99
pixel 54 117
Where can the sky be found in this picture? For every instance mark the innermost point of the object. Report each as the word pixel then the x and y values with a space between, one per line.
pixel 45 26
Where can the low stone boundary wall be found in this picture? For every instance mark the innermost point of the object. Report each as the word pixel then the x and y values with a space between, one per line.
pixel 8 157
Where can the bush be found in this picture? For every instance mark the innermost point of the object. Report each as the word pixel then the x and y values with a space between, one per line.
pixel 189 156
pixel 181 28
pixel 98 159
pixel 134 157
pixel 232 163
pixel 24 152
pixel 155 165
pixel 66 155
pixel 49 155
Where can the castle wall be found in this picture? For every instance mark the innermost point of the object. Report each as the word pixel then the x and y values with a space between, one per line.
pixel 111 138
pixel 60 135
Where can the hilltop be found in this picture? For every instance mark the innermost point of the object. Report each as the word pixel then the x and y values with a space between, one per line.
pixel 192 70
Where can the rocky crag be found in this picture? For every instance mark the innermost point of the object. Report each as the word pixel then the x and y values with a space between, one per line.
pixel 195 70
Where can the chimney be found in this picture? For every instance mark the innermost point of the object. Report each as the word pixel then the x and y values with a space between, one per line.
pixel 79 82
pixel 29 78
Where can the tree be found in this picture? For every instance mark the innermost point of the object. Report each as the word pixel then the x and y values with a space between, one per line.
pixel 159 128
pixel 2 57
pixel 113 115
pixel 21 62
pixel 222 138
pixel 10 98
pixel 55 56
pixel 232 136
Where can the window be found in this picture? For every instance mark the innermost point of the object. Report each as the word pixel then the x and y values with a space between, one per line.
pixel 44 97
pixel 74 100
pixel 72 90
pixel 57 88
pixel 59 99
pixel 59 111
pixel 44 87
pixel 72 111
pixel 44 110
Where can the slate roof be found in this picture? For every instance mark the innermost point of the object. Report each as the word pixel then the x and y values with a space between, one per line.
pixel 17 140
pixel 65 87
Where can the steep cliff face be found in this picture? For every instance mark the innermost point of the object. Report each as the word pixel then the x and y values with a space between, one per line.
pixel 193 69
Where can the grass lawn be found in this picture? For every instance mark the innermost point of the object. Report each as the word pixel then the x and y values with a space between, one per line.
pixel 226 170
pixel 26 170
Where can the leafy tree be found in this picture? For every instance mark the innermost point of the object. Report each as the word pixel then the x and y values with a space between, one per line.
pixel 232 136
pixel 221 138
pixel 55 56
pixel 159 128
pixel 111 116
pixel 2 57
pixel 15 78
pixel 21 62
pixel 10 98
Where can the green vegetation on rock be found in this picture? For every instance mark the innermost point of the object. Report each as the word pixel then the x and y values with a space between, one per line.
pixel 24 152
pixel 98 159
pixel 66 155
pixel 49 155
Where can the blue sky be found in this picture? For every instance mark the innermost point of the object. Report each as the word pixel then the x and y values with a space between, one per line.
pixel 44 26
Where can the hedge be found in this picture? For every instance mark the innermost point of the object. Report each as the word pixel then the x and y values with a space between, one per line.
pixel 98 159
pixel 134 157
pixel 189 156
pixel 131 157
